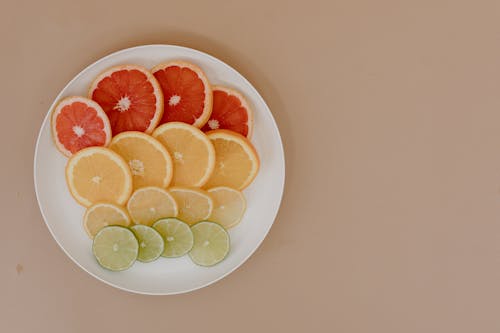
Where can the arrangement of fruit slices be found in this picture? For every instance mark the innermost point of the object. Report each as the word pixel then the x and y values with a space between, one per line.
pixel 159 159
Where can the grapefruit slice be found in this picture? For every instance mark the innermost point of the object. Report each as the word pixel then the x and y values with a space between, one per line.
pixel 230 111
pixel 77 123
pixel 130 96
pixel 187 92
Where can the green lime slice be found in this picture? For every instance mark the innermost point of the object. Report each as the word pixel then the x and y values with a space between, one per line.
pixel 115 248
pixel 177 236
pixel 211 243
pixel 150 242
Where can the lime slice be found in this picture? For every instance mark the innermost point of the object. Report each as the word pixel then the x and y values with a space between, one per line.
pixel 115 248
pixel 150 242
pixel 177 236
pixel 211 243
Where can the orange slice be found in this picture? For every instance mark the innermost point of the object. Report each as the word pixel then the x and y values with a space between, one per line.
pixel 229 206
pixel 236 160
pixel 187 92
pixel 149 204
pixel 148 159
pixel 230 111
pixel 98 174
pixel 101 215
pixel 77 123
pixel 130 96
pixel 192 152
pixel 194 205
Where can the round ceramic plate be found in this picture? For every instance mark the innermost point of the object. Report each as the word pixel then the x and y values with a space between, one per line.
pixel 63 215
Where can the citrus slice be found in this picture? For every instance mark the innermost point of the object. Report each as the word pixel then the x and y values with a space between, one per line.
pixel 192 152
pixel 187 92
pixel 229 206
pixel 77 123
pixel 211 243
pixel 236 160
pixel 149 204
pixel 194 205
pixel 130 96
pixel 177 236
pixel 150 242
pixel 115 248
pixel 148 159
pixel 98 174
pixel 101 215
pixel 230 111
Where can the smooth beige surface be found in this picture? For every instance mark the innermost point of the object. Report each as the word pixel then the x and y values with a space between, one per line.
pixel 390 116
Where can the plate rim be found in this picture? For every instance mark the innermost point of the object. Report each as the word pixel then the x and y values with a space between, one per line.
pixel 188 290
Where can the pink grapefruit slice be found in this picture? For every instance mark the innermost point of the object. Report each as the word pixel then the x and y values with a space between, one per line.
pixel 77 123
pixel 130 96
pixel 230 111
pixel 187 93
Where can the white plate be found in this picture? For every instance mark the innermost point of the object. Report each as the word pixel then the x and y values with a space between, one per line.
pixel 63 215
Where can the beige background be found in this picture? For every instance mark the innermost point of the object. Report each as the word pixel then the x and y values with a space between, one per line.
pixel 390 116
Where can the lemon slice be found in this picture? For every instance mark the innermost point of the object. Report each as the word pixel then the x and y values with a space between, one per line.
pixel 194 205
pixel 211 243
pixel 149 204
pixel 229 206
pixel 177 236
pixel 150 242
pixel 192 153
pixel 101 215
pixel 115 248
